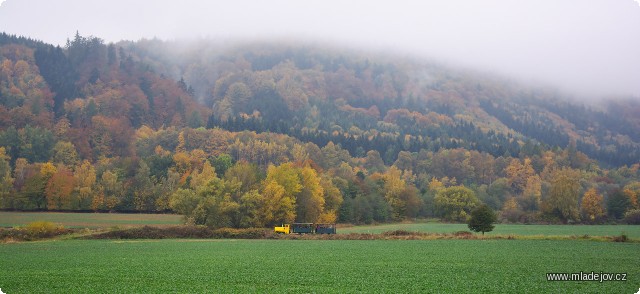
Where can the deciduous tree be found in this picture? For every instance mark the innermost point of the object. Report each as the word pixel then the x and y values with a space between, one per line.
pixel 455 203
pixel 58 189
pixel 85 179
pixel 563 195
pixel 7 200
pixel 592 205
pixel 310 200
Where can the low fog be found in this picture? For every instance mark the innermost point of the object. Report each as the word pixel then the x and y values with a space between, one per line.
pixel 586 47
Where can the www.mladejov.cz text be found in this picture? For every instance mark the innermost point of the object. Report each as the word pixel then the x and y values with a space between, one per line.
pixel 587 276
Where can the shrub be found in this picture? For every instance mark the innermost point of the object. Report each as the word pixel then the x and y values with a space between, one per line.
pixel 621 238
pixel 462 234
pixel 632 217
pixel 33 231
pixel 42 229
pixel 399 233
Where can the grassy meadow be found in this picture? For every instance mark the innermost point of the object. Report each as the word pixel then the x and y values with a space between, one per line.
pixel 88 220
pixel 632 231
pixel 305 266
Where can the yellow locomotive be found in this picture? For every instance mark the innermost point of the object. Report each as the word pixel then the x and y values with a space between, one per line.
pixel 306 228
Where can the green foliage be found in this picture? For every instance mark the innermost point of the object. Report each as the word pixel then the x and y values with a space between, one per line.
pixel 482 219
pixel 455 203
pixel 222 163
pixel 563 197
pixel 617 204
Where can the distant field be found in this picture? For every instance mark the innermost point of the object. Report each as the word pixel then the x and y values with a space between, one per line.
pixel 505 229
pixel 285 266
pixel 106 220
pixel 88 220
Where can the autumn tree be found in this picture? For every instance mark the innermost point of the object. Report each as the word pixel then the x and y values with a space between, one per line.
pixel 563 195
pixel 245 173
pixel 592 205
pixel 144 197
pixel 59 187
pixel 332 201
pixel 65 153
pixel 632 194
pixel 36 179
pixel 393 187
pixel 208 201
pixel 518 174
pixel 185 202
pixel 250 204
pixel 111 191
pixel 216 208
pixel 278 207
pixel 203 177
pixel 456 203
pixel 287 176
pixel 85 179
pixel 511 210
pixel 310 201
pixel 402 197
pixel 6 181
pixel 165 188
pixel 531 197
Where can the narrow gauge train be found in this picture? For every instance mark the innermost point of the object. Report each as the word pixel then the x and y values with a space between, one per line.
pixel 306 228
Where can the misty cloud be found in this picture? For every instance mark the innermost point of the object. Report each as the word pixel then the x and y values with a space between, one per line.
pixel 587 47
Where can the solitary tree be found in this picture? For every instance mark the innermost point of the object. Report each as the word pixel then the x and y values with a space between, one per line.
pixel 482 219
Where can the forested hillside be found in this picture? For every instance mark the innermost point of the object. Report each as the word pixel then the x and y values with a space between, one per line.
pixel 258 134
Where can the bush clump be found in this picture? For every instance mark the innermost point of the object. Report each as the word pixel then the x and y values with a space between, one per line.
pixel 621 238
pixel 400 233
pixel 34 231
pixel 42 228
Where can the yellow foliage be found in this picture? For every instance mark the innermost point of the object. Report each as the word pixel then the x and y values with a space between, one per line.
pixel 207 174
pixel 161 152
pixel 510 205
pixel 144 132
pixel 328 217
pixel 591 205
pixel 633 197
pixel 183 162
pixel 435 184
pixel 47 169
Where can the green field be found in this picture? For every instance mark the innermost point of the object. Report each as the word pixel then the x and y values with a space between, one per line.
pixel 107 220
pixel 88 220
pixel 280 266
pixel 505 229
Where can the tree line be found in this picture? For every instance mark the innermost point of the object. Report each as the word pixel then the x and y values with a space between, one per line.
pixel 291 135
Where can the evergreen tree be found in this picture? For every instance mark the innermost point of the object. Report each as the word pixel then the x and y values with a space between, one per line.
pixel 482 219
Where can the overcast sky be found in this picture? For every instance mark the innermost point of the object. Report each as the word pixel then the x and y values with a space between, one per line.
pixel 590 47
